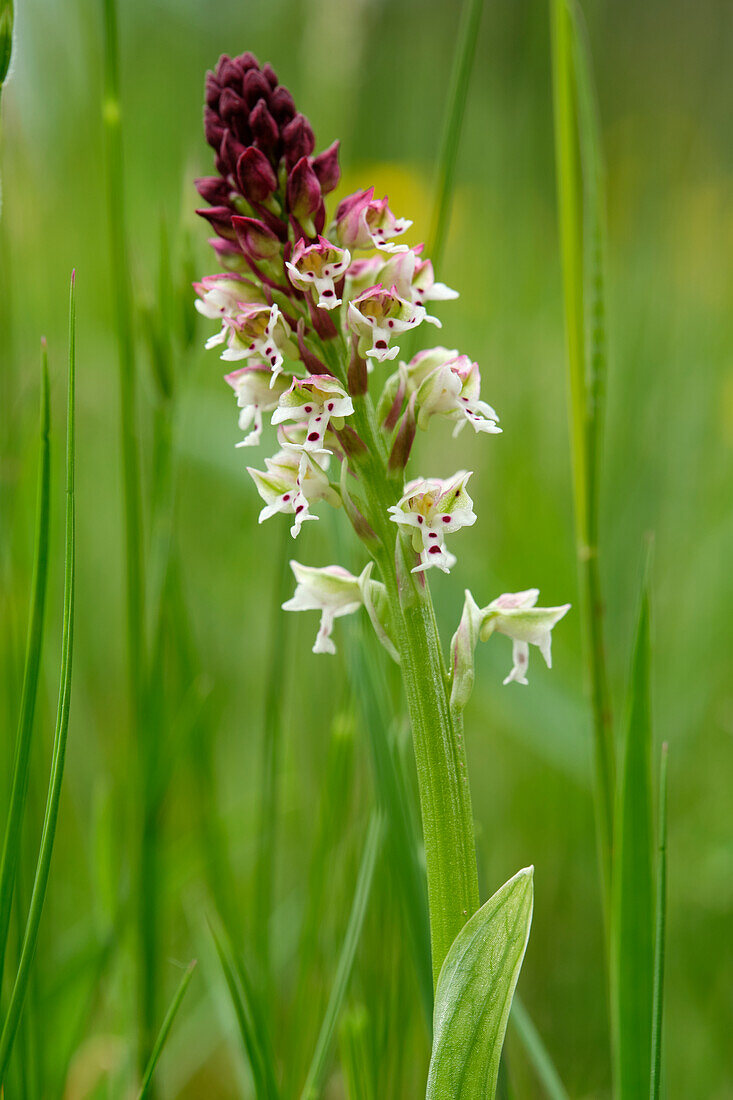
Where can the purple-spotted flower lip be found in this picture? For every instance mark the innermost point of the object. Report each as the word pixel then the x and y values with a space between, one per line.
pixel 290 483
pixel 256 331
pixel 379 314
pixel 365 222
pixel 318 267
pixel 257 393
pixel 432 508
pixel 452 389
pixel 320 401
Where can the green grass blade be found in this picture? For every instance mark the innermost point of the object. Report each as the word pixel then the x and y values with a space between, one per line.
pixel 581 217
pixel 6 39
pixel 43 867
pixel 21 765
pixel 536 1051
pixel 660 934
pixel 165 1029
pixel 632 913
pixel 372 845
pixel 249 1017
pixel 457 95
pixel 356 1056
pixel 474 994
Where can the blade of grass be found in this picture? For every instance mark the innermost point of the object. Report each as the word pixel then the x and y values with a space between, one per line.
pixel 249 1016
pixel 34 645
pixel 165 1029
pixel 660 933
pixel 536 1051
pixel 632 913
pixel 372 845
pixel 146 880
pixel 43 867
pixel 457 95
pixel 581 202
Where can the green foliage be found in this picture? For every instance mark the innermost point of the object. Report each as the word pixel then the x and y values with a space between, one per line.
pixel 474 994
pixel 660 935
pixel 6 38
pixel 165 1029
pixel 632 914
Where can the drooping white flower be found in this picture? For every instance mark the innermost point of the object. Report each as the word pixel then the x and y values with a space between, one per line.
pixel 377 315
pixel 319 401
pixel 261 332
pixel 291 482
pixel 333 591
pixel 221 297
pixel 413 278
pixel 319 267
pixel 365 222
pixel 453 390
pixel 515 614
pixel 257 393
pixel 433 508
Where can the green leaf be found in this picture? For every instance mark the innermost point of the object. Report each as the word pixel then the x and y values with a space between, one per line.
pixel 536 1051
pixel 474 994
pixel 632 913
pixel 6 38
pixel 165 1029
pixel 43 866
pixel 661 932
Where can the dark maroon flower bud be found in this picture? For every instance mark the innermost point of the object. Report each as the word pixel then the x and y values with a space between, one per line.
pixel 220 218
pixel 230 151
pixel 356 375
pixel 269 73
pixel 213 189
pixel 254 87
pixel 231 105
pixel 255 175
pixel 303 191
pixel 212 90
pixel 298 140
pixel 247 61
pixel 326 168
pixel 214 128
pixel 282 106
pixel 255 239
pixel 264 128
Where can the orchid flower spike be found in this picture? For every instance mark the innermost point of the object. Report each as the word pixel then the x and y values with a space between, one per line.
pixel 259 331
pixel 453 390
pixel 365 222
pixel 515 614
pixel 318 266
pixel 257 392
pixel 333 591
pixel 318 400
pixel 414 279
pixel 292 482
pixel 377 315
pixel 432 509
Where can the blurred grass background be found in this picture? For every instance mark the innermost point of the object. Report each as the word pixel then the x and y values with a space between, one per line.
pixel 375 75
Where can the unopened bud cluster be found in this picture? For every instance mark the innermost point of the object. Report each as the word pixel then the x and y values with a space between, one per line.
pixel 310 311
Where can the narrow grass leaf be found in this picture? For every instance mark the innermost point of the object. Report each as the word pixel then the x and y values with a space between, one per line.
pixel 372 845
pixel 536 1051
pixel 43 867
pixel 249 1017
pixel 19 787
pixel 474 994
pixel 660 934
pixel 632 913
pixel 165 1029
pixel 581 217
pixel 356 1055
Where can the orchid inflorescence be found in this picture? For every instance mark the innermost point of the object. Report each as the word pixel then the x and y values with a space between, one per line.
pixel 308 321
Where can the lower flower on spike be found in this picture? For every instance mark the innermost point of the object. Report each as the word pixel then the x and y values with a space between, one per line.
pixel 432 509
pixel 515 615
pixel 257 392
pixel 221 297
pixel 291 482
pixel 318 267
pixel 317 400
pixel 453 390
pixel 259 331
pixel 377 315
pixel 333 591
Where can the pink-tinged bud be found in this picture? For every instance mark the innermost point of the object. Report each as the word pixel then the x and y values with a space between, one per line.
pixel 255 239
pixel 220 219
pixel 255 86
pixel 282 106
pixel 298 140
pixel 404 439
pixel 326 168
pixel 213 189
pixel 264 128
pixel 213 128
pixel 255 175
pixel 310 361
pixel 357 375
pixel 393 415
pixel 270 75
pixel 303 192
